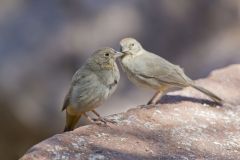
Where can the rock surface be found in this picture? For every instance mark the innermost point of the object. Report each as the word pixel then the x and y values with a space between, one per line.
pixel 184 125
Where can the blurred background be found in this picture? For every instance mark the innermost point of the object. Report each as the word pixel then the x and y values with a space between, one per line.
pixel 42 44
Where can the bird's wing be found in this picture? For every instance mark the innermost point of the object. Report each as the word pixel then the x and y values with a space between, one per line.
pixel 80 74
pixel 152 66
pixel 87 89
pixel 66 100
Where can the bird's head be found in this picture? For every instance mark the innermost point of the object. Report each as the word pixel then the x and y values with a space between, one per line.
pixel 130 46
pixel 105 57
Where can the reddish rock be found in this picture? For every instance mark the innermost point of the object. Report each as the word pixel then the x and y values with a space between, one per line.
pixel 185 125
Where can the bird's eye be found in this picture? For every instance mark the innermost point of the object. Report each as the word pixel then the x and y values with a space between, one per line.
pixel 106 54
pixel 132 44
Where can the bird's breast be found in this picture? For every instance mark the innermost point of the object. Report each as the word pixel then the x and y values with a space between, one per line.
pixel 134 68
pixel 128 67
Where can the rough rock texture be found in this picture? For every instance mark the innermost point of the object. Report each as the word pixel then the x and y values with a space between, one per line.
pixel 185 125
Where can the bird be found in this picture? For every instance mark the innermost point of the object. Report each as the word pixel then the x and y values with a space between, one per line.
pixel 148 70
pixel 91 85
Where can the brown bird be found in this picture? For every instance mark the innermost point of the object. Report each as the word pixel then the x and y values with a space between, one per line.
pixel 149 70
pixel 91 85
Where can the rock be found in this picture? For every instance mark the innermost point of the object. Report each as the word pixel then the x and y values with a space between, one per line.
pixel 185 125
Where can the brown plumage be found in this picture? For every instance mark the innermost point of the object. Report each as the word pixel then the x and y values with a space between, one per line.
pixel 149 70
pixel 91 85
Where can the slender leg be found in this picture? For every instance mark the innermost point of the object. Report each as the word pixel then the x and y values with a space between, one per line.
pixel 97 114
pixel 95 121
pixel 89 118
pixel 104 120
pixel 99 117
pixel 155 98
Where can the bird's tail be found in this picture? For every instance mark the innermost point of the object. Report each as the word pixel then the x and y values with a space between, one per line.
pixel 71 121
pixel 208 93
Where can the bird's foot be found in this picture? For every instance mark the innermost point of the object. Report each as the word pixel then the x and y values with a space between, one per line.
pixel 99 121
pixel 147 106
pixel 104 120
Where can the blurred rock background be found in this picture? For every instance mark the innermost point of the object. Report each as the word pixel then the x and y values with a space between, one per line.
pixel 42 44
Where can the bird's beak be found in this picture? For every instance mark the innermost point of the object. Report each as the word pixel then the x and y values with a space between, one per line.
pixel 118 54
pixel 124 49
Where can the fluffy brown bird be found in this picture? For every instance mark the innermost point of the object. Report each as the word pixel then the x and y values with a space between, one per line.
pixel 149 70
pixel 91 85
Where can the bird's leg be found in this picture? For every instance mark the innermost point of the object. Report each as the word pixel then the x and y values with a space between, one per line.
pixel 99 117
pixel 97 114
pixel 155 98
pixel 92 120
pixel 104 120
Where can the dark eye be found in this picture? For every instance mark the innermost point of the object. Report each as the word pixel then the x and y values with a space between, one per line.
pixel 132 44
pixel 106 54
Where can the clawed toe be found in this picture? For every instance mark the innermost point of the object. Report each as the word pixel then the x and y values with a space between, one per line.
pixel 104 120
pixel 148 106
pixel 99 121
pixel 110 121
